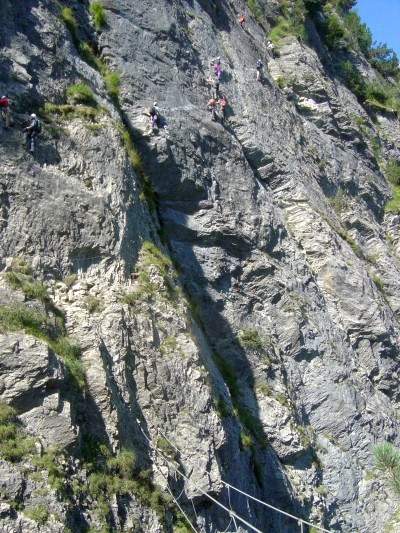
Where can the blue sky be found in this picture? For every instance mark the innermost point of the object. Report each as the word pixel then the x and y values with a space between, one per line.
pixel 383 19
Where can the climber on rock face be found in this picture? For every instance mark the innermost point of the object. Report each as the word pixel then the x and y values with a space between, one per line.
pixel 259 68
pixel 270 47
pixel 241 20
pixel 214 89
pixel 215 60
pixel 5 110
pixel 32 131
pixel 211 107
pixel 217 70
pixel 222 105
pixel 154 115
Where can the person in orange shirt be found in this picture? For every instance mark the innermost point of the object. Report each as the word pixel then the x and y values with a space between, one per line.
pixel 211 107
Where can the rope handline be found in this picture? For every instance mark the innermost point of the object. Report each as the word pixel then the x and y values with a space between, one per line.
pixel 182 491
pixel 177 503
pixel 197 487
pixel 194 510
pixel 230 506
pixel 255 499
pixel 210 497
pixel 275 508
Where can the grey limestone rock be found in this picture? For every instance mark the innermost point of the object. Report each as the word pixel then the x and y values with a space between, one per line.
pixel 270 358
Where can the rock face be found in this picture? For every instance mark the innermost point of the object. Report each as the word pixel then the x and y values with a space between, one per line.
pixel 265 354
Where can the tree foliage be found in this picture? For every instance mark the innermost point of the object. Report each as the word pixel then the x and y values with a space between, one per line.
pixel 384 59
pixel 359 31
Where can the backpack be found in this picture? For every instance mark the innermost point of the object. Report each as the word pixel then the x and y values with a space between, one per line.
pixel 38 127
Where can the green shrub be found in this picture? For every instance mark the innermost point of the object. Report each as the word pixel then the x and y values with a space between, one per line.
pixel 246 441
pixel 112 82
pixel 80 93
pixel 168 345
pixel 70 352
pixel 16 317
pixel 130 298
pixel 282 29
pixel 384 59
pixel 20 266
pixel 122 464
pixel 387 460
pixel 379 283
pixel 256 10
pixel 376 93
pixel 334 31
pixel 26 283
pixel 393 205
pixel 49 461
pixel 292 21
pixel 336 202
pixel 221 407
pixel 358 32
pixel 94 304
pixel 165 447
pixel 281 82
pixel 252 424
pixel 250 338
pixel 97 12
pixel 181 525
pixel 147 193
pixel 39 514
pixel 69 111
pixel 88 54
pixel 154 256
pixel 68 18
pixel 228 373
pixel 353 79
pixel 392 172
pixel 110 474
pixel 14 445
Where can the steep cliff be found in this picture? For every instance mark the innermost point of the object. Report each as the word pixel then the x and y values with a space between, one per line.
pixel 205 304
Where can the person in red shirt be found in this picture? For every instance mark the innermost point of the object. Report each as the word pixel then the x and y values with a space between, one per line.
pixel 5 110
pixel 241 20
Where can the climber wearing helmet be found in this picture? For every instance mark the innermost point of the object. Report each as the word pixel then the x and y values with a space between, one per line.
pixel 5 110
pixel 32 131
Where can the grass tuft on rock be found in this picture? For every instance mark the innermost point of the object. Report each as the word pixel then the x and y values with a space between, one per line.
pixel 99 17
pixel 19 317
pixel 14 445
pixel 80 93
pixel 112 82
pixel 250 338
